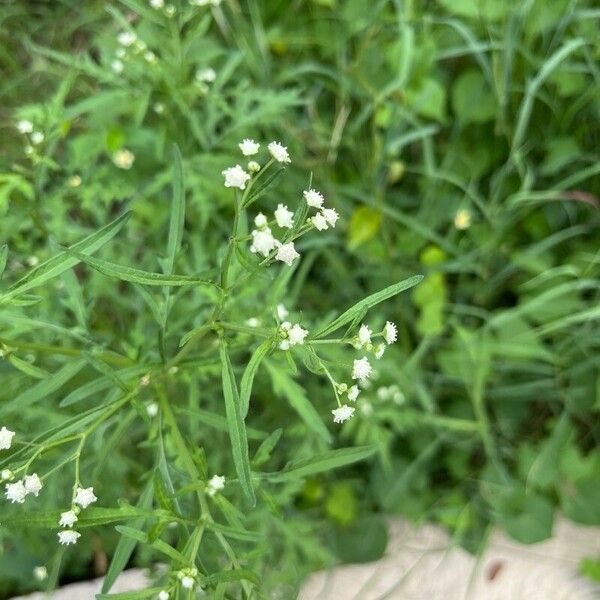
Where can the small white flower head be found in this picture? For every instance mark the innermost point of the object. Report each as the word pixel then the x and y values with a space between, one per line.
pixel 379 350
pixel 235 177
pixel 126 38
pixel 158 108
pixel 249 147
pixel 150 57
pixel 124 159
pixel 6 475
pixel 253 166
pixel 206 75
pixel 84 497
pixel 331 216
pixel 68 518
pixel 383 393
pixel 37 137
pixel 74 181
pixel 152 409
pixel 284 345
pixel 25 126
pixel 40 573
pixel 313 198
pixel 16 492
pixel 282 312
pixel 170 10
pixel 462 219
pixel 297 335
pixel 364 335
pixel 68 537
pixel 279 152
pixel 117 66
pixel 33 261
pixel 320 222
pixel 157 4
pixel 263 242
pixel 260 220
pixel 33 484
pixel 284 217
pixel 390 332
pixel 187 582
pixel 361 369
pixel 252 322
pixel 145 381
pixel 343 413
pixel 163 595
pixel 6 436
pixel 287 253
pixel 353 393
pixel 398 397
pixel 216 484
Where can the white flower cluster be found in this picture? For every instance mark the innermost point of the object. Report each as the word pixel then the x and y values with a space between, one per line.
pixel 326 217
pixel 82 498
pixel 215 484
pixel 187 577
pixel 6 436
pixel 291 335
pixel 35 137
pixel 130 45
pixel 391 392
pixel 17 491
pixel 363 339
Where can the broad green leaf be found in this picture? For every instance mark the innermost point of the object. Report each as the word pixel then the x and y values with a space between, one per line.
pixel 364 226
pixel 65 260
pixel 429 99
pixel 284 386
pixel 235 422
pixel 126 545
pixel 319 463
pixel 472 98
pixel 366 304
pixel 250 372
pixel 138 276
pixel 530 520
pixel 44 388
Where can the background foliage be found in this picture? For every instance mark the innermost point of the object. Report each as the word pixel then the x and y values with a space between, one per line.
pixel 457 138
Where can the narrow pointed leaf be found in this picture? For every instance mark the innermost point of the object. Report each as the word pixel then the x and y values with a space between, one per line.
pixel 250 372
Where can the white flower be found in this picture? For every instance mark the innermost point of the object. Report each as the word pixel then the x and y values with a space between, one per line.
pixel 297 335
pixel 364 335
pixel 6 474
pixel 379 350
pixel 149 56
pixel 152 409
pixel 216 484
pixel 284 217
pixel 25 126
pixel 33 484
pixel 249 147
pixel 159 108
pixel 187 582
pixel 68 537
pixel 279 152
pixel 361 369
pixel 253 166
pixel 287 253
pixel 206 75
pixel 282 312
pixel 68 518
pixel 390 332
pixel 84 496
pixel 252 322
pixel 37 137
pixel 74 181
pixel 331 216
pixel 235 177
pixel 263 242
pixel 260 220
pixel 123 159
pixel 462 219
pixel 163 595
pixel 343 413
pixel 6 436
pixel 126 38
pixel 284 345
pixel 314 198
pixel 320 222
pixel 353 393
pixel 170 10
pixel 40 573
pixel 156 4
pixel 117 66
pixel 16 492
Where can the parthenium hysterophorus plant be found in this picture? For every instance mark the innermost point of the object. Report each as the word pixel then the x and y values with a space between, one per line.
pixel 181 500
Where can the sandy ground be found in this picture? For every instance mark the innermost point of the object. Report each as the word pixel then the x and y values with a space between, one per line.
pixel 420 564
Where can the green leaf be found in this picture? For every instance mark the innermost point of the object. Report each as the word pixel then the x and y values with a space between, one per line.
pixel 429 99
pixel 159 545
pixel 237 427
pixel 177 211
pixel 44 388
pixel 366 304
pixel 264 450
pixel 136 595
pixel 250 372
pixel 365 540
pixel 533 521
pixel 284 386
pixel 65 260
pixel 581 502
pixel 138 276
pixel 235 533
pixel 3 257
pixel 364 226
pixel 126 545
pixel 227 576
pixel 472 98
pixel 319 463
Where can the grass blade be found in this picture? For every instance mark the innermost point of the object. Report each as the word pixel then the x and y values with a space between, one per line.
pixel 249 373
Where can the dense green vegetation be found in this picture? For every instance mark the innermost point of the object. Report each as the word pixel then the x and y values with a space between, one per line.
pixel 457 139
